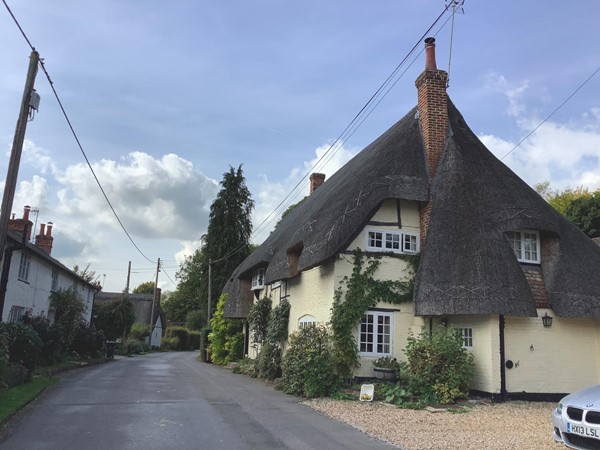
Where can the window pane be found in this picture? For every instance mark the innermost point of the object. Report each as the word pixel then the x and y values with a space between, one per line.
pixel 530 246
pixel 375 239
pixel 410 243
pixel 392 241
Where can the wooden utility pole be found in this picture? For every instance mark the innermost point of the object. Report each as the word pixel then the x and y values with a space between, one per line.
pixel 15 155
pixel 209 301
pixel 155 294
pixel 128 277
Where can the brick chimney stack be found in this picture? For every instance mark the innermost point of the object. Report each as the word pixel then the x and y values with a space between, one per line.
pixel 44 239
pixel 316 180
pixel 433 118
pixel 22 225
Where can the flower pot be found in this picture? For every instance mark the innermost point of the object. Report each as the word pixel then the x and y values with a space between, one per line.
pixel 384 373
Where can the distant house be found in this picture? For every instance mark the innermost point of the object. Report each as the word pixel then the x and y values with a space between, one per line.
pixel 142 307
pixel 497 262
pixel 30 274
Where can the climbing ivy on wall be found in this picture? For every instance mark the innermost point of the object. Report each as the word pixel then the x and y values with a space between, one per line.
pixel 355 296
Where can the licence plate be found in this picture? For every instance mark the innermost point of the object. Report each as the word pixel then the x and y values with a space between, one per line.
pixel 582 430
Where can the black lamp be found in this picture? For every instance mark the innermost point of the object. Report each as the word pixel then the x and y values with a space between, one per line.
pixel 547 320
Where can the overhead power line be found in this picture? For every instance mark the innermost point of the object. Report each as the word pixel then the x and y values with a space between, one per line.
pixel 553 112
pixel 42 65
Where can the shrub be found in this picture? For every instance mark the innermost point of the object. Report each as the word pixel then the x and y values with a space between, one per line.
pixel 170 343
pixel 68 314
pixel 246 366
pixel 307 366
pixel 114 319
pixel 195 340
pixel 88 342
pixel 139 331
pixel 135 347
pixel 195 320
pixel 269 362
pixel 441 368
pixel 226 336
pixel 277 328
pixel 183 336
pixel 24 345
pixel 50 353
pixel 258 319
pixel 3 362
pixel 17 374
pixel 204 343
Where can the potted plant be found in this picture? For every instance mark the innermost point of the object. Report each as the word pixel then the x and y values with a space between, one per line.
pixel 386 367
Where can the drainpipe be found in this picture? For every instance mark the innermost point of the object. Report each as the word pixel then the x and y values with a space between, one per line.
pixel 502 359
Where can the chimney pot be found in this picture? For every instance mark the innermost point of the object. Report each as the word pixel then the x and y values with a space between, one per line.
pixel 42 229
pixel 49 230
pixel 26 210
pixel 316 180
pixel 430 54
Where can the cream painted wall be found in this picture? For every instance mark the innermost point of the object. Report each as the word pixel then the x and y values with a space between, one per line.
pixel 409 214
pixel 564 359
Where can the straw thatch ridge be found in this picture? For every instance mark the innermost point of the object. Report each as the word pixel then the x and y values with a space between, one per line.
pixel 393 166
pixel 467 265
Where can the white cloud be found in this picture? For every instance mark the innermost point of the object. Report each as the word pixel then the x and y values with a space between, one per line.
pixel 566 154
pixel 189 248
pixel 272 193
pixel 154 198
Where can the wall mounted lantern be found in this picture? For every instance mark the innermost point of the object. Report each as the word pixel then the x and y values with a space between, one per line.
pixel 547 320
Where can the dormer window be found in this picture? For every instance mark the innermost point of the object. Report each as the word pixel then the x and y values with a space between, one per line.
pixel 526 245
pixel 392 241
pixel 258 279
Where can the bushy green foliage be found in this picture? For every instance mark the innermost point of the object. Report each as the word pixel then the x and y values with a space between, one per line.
pixel 441 367
pixel 397 395
pixel 226 336
pixel 88 342
pixel 307 365
pixel 170 343
pixel 258 318
pixel 24 345
pixel 3 361
pixel 269 361
pixel 195 340
pixel 135 347
pixel 147 287
pixel 246 366
pixel 277 327
pixel 114 319
pixel 69 311
pixel 139 331
pixel 182 334
pixel 50 353
pixel 204 343
pixel 195 320
pixel 17 374
pixel 362 292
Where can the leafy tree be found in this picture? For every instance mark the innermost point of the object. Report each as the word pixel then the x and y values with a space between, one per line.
pixel 226 336
pixel 88 275
pixel 114 319
pixel 147 287
pixel 69 312
pixel 580 205
pixel 226 244
pixel 195 320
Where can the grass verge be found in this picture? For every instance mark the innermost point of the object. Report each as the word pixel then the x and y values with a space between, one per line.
pixel 14 399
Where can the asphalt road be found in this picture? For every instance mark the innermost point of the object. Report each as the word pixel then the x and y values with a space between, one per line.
pixel 171 401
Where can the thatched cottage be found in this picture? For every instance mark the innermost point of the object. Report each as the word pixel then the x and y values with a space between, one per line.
pixel 496 261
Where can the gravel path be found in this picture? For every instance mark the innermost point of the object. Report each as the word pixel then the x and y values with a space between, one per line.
pixel 501 426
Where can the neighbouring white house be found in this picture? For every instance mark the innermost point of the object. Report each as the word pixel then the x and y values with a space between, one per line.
pixel 29 274
pixel 497 262
pixel 146 308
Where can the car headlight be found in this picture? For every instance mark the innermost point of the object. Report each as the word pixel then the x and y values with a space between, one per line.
pixel 559 408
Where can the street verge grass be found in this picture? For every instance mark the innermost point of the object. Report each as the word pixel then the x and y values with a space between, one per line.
pixel 14 399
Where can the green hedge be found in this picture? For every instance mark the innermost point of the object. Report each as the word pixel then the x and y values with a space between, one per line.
pixel 183 334
pixel 195 340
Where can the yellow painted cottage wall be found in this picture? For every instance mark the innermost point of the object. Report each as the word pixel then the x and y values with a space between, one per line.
pixel 486 350
pixel 562 358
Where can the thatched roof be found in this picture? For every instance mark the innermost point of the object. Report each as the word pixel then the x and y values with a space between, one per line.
pixel 467 265
pixel 326 222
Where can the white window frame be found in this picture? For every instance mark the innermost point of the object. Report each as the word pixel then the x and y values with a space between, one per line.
pixel 24 266
pixel 400 241
pixel 520 242
pixel 467 335
pixel 258 279
pixel 381 339
pixel 16 313
pixel 54 286
pixel 306 321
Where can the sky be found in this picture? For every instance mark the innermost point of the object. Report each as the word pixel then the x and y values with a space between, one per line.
pixel 166 96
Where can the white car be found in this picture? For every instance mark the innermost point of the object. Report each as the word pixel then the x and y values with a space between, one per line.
pixel 576 419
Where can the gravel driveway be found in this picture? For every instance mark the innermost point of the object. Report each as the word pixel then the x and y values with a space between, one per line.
pixel 511 425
